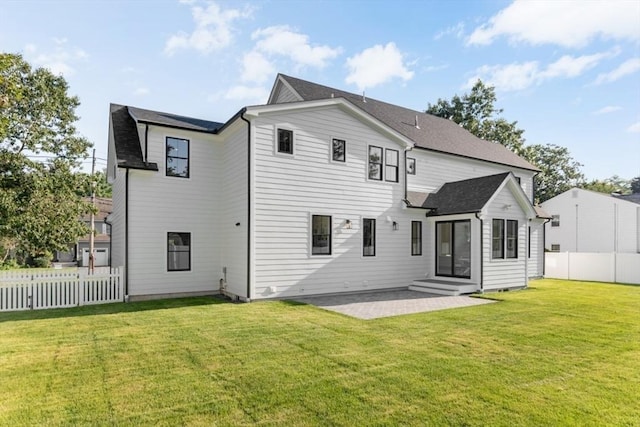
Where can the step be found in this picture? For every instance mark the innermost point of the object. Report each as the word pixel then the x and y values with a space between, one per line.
pixel 443 288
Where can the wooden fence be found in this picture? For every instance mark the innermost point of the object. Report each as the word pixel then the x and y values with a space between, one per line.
pixel 28 289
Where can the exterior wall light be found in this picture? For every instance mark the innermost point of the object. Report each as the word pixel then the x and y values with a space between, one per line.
pixel 347 224
pixel 395 225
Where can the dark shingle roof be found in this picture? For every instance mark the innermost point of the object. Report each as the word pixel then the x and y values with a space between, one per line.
pixel 434 133
pixel 125 136
pixel 635 198
pixel 173 120
pixel 467 196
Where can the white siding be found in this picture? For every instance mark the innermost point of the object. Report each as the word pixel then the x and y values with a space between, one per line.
pixel 284 94
pixel 118 220
pixel 504 273
pixel 289 189
pixel 536 261
pixel 233 207
pixel 159 204
pixel 592 222
pixel 434 169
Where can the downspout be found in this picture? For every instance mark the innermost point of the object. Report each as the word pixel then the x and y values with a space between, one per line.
pixel 248 204
pixel 544 246
pixel 481 252
pixel 146 142
pixel 126 235
pixel 406 174
pixel 106 221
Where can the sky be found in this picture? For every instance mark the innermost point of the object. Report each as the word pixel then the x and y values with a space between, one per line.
pixel 567 71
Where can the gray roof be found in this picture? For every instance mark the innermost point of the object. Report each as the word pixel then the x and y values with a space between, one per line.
pixel 125 136
pixel 434 133
pixel 635 198
pixel 174 120
pixel 466 196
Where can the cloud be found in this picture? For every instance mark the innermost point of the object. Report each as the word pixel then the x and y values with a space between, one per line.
pixel 283 41
pixel 377 65
pixel 256 68
pixel 244 93
pixel 213 30
pixel 141 91
pixel 608 109
pixel 566 23
pixel 634 128
pixel 628 67
pixel 520 76
pixel 456 30
pixel 60 61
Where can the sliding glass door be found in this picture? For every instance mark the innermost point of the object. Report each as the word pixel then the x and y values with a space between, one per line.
pixel 453 249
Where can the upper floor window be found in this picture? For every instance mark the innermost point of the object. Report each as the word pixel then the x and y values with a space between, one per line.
pixel 555 247
pixel 320 235
pixel 411 166
pixel 338 150
pixel 368 237
pixel 177 157
pixel 375 163
pixel 178 251
pixel 555 220
pixel 391 165
pixel 285 141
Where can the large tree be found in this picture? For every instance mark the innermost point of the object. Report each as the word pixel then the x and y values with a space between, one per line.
pixel 40 151
pixel 615 184
pixel 635 185
pixel 477 113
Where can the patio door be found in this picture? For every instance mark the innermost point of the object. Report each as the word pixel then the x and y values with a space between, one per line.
pixel 453 249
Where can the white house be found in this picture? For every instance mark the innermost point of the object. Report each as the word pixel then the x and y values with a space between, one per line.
pixel 586 221
pixel 318 191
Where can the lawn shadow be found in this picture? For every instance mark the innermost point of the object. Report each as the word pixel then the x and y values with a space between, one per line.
pixel 115 308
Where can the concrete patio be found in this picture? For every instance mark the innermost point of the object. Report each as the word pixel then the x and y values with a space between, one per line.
pixel 373 305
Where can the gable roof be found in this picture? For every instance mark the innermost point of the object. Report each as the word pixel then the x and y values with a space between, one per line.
pixel 431 133
pixel 173 120
pixel 125 137
pixel 467 196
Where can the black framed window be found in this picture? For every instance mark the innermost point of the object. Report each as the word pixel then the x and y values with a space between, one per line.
pixel 391 165
pixel 497 239
pixel 416 237
pixel 411 166
pixel 178 251
pixel 285 141
pixel 368 237
pixel 375 163
pixel 555 220
pixel 512 238
pixel 555 248
pixel 177 162
pixel 321 235
pixel 338 150
pixel 504 239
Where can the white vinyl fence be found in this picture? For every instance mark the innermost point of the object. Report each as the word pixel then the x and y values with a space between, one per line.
pixel 596 267
pixel 27 289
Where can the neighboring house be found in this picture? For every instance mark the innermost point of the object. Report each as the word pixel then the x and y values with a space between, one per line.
pixel 587 221
pixel 318 191
pixel 79 253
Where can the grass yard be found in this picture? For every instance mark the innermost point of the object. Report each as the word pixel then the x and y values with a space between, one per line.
pixel 559 353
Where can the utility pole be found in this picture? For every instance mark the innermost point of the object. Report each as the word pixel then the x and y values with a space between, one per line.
pixel 93 205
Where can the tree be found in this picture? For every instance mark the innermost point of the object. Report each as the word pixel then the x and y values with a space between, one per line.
pixel 476 112
pixel 559 171
pixel 40 152
pixel 635 185
pixel 103 188
pixel 615 184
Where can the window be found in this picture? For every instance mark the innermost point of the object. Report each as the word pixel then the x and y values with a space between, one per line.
pixel 497 239
pixel 368 237
pixel 555 248
pixel 178 251
pixel 453 249
pixel 285 141
pixel 177 157
pixel 512 238
pixel 338 150
pixel 555 220
pixel 411 166
pixel 501 239
pixel 391 166
pixel 375 163
pixel 416 237
pixel 321 235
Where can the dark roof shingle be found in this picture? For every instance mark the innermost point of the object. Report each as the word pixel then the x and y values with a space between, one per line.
pixel 433 133
pixel 125 137
pixel 174 120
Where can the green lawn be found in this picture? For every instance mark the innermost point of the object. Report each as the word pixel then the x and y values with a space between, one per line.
pixel 559 353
